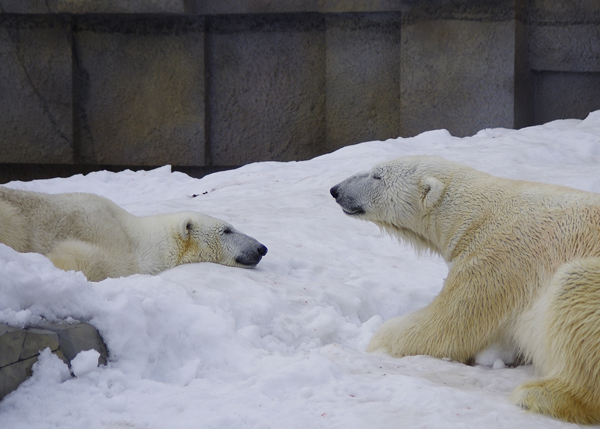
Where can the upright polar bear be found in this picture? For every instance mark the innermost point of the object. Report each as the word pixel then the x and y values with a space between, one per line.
pixel 524 264
pixel 89 233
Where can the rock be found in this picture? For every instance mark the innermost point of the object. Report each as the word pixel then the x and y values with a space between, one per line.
pixel 11 342
pixel 11 376
pixel 36 340
pixel 77 337
pixel 20 348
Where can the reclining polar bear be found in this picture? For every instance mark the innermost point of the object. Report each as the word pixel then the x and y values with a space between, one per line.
pixel 89 233
pixel 524 264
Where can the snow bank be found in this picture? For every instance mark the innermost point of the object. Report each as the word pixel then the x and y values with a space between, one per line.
pixel 280 346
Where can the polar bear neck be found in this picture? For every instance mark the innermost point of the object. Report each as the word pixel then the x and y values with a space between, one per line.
pixel 419 241
pixel 153 242
pixel 447 235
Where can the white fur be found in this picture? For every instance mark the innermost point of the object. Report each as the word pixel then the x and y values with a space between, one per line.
pixel 524 271
pixel 89 233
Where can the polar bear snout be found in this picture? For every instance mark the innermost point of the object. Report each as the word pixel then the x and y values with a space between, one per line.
pixel 345 195
pixel 241 249
pixel 251 256
pixel 335 191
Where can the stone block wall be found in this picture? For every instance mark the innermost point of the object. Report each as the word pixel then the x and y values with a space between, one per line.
pixel 564 55
pixel 36 107
pixel 205 85
pixel 265 88
pixel 139 90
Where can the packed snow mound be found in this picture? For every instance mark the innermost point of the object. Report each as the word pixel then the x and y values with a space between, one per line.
pixel 281 345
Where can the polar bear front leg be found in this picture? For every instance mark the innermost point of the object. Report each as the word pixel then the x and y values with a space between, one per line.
pixel 393 337
pixel 77 255
pixel 93 261
pixel 464 319
pixel 570 388
pixel 419 333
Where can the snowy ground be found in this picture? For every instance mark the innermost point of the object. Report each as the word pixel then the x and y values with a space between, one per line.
pixel 279 346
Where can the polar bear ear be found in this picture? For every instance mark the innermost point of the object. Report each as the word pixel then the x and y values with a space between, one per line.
pixel 185 226
pixel 432 191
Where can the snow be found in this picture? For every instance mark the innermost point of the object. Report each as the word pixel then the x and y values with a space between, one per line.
pixel 85 362
pixel 282 345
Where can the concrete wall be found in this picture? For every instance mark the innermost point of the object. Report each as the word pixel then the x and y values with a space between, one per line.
pixel 211 84
pixel 564 54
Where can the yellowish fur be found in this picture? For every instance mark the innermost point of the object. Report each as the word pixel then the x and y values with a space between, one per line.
pixel 524 270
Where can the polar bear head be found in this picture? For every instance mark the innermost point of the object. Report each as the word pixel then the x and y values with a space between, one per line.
pixel 202 238
pixel 398 196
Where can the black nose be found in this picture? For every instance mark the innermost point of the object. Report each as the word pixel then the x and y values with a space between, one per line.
pixel 334 191
pixel 262 250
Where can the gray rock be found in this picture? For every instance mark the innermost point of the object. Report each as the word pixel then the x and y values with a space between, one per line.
pixel 19 348
pixel 11 376
pixel 11 343
pixel 77 337
pixel 37 340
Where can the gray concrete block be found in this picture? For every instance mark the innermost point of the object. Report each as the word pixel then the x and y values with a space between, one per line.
pixel 414 11
pixel 565 47
pixel 564 35
pixel 226 7
pixel 140 90
pixel 219 7
pixel 457 75
pixel 349 6
pixel 523 93
pixel 11 342
pixel 363 78
pixel 565 95
pixel 36 91
pixel 87 6
pixel 266 88
pixel 563 11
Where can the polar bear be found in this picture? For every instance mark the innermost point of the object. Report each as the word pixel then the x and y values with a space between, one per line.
pixel 524 271
pixel 91 234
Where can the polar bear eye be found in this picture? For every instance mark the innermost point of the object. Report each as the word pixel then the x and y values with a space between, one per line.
pixel 376 176
pixel 188 226
pixel 227 231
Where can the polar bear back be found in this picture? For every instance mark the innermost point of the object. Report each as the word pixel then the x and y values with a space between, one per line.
pixel 39 221
pixel 528 216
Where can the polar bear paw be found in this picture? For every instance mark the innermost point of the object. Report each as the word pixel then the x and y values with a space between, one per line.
pixel 555 398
